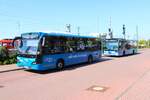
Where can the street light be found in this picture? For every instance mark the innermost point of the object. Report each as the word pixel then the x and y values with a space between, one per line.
pixel 124 31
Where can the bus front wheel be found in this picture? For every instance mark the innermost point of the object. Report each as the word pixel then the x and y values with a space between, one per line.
pixel 60 64
pixel 124 53
pixel 90 59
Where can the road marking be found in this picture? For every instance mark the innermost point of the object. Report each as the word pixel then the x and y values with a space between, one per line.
pixel 10 70
pixel 132 85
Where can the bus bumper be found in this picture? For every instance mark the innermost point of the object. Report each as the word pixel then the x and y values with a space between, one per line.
pixel 111 53
pixel 33 67
pixel 28 63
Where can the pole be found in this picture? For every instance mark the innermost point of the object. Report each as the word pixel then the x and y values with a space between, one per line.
pixel 68 26
pixel 110 29
pixel 97 24
pixel 124 31
pixel 137 36
pixel 101 42
pixel 19 27
pixel 78 28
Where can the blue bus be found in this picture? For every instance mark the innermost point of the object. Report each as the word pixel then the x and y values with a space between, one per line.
pixel 43 51
pixel 119 47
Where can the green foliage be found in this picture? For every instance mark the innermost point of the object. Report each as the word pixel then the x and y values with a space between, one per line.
pixel 144 43
pixel 3 52
pixel 6 62
pixel 1 63
pixel 148 43
pixel 6 57
pixel 12 56
pixel 14 60
pixel 11 61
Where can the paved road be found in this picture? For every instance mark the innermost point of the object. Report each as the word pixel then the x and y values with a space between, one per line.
pixel 125 78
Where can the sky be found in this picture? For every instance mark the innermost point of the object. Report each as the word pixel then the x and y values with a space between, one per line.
pixel 92 16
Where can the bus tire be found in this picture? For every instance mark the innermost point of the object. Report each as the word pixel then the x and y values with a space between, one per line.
pixel 124 53
pixel 133 52
pixel 60 64
pixel 90 59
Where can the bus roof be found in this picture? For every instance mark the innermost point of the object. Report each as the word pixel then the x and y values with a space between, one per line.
pixel 116 39
pixel 66 34
pixel 120 39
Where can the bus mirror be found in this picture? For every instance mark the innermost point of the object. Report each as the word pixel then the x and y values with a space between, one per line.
pixel 43 41
pixel 38 52
pixel 17 42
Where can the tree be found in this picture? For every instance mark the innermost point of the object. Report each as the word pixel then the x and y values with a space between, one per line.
pixel 3 53
pixel 142 43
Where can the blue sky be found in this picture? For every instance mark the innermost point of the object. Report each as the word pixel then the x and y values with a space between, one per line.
pixel 91 15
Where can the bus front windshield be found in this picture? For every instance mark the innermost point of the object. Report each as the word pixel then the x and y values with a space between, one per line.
pixel 29 46
pixel 112 45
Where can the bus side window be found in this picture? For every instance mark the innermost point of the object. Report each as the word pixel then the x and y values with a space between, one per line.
pixel 93 44
pixel 59 46
pixel 88 45
pixel 120 44
pixel 71 45
pixel 127 46
pixel 46 45
pixel 81 45
pixel 54 45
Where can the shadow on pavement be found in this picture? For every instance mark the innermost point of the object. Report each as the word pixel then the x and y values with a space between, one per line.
pixel 131 55
pixel 11 70
pixel 124 55
pixel 72 67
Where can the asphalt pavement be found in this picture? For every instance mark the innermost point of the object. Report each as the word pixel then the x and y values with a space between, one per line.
pixel 113 78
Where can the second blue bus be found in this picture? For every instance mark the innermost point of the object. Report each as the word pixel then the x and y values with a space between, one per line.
pixel 119 47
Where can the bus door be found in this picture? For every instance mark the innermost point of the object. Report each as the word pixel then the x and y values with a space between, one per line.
pixel 81 53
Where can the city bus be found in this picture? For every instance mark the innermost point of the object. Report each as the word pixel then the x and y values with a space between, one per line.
pixel 50 50
pixel 119 47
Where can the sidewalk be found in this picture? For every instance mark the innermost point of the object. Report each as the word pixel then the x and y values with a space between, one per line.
pixel 139 90
pixel 8 68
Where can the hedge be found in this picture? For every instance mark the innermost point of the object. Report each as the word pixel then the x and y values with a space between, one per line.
pixel 6 58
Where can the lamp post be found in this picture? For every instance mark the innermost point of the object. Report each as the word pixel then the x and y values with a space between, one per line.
pixel 137 36
pixel 124 31
pixel 68 26
pixel 78 29
pixel 110 30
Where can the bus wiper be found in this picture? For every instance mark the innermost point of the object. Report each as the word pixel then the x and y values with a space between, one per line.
pixel 27 49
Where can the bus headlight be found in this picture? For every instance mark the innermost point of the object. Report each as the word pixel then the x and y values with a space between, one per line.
pixel 18 61
pixel 34 63
pixel 38 52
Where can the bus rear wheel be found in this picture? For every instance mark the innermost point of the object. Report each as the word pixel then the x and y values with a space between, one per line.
pixel 60 64
pixel 90 59
pixel 133 52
